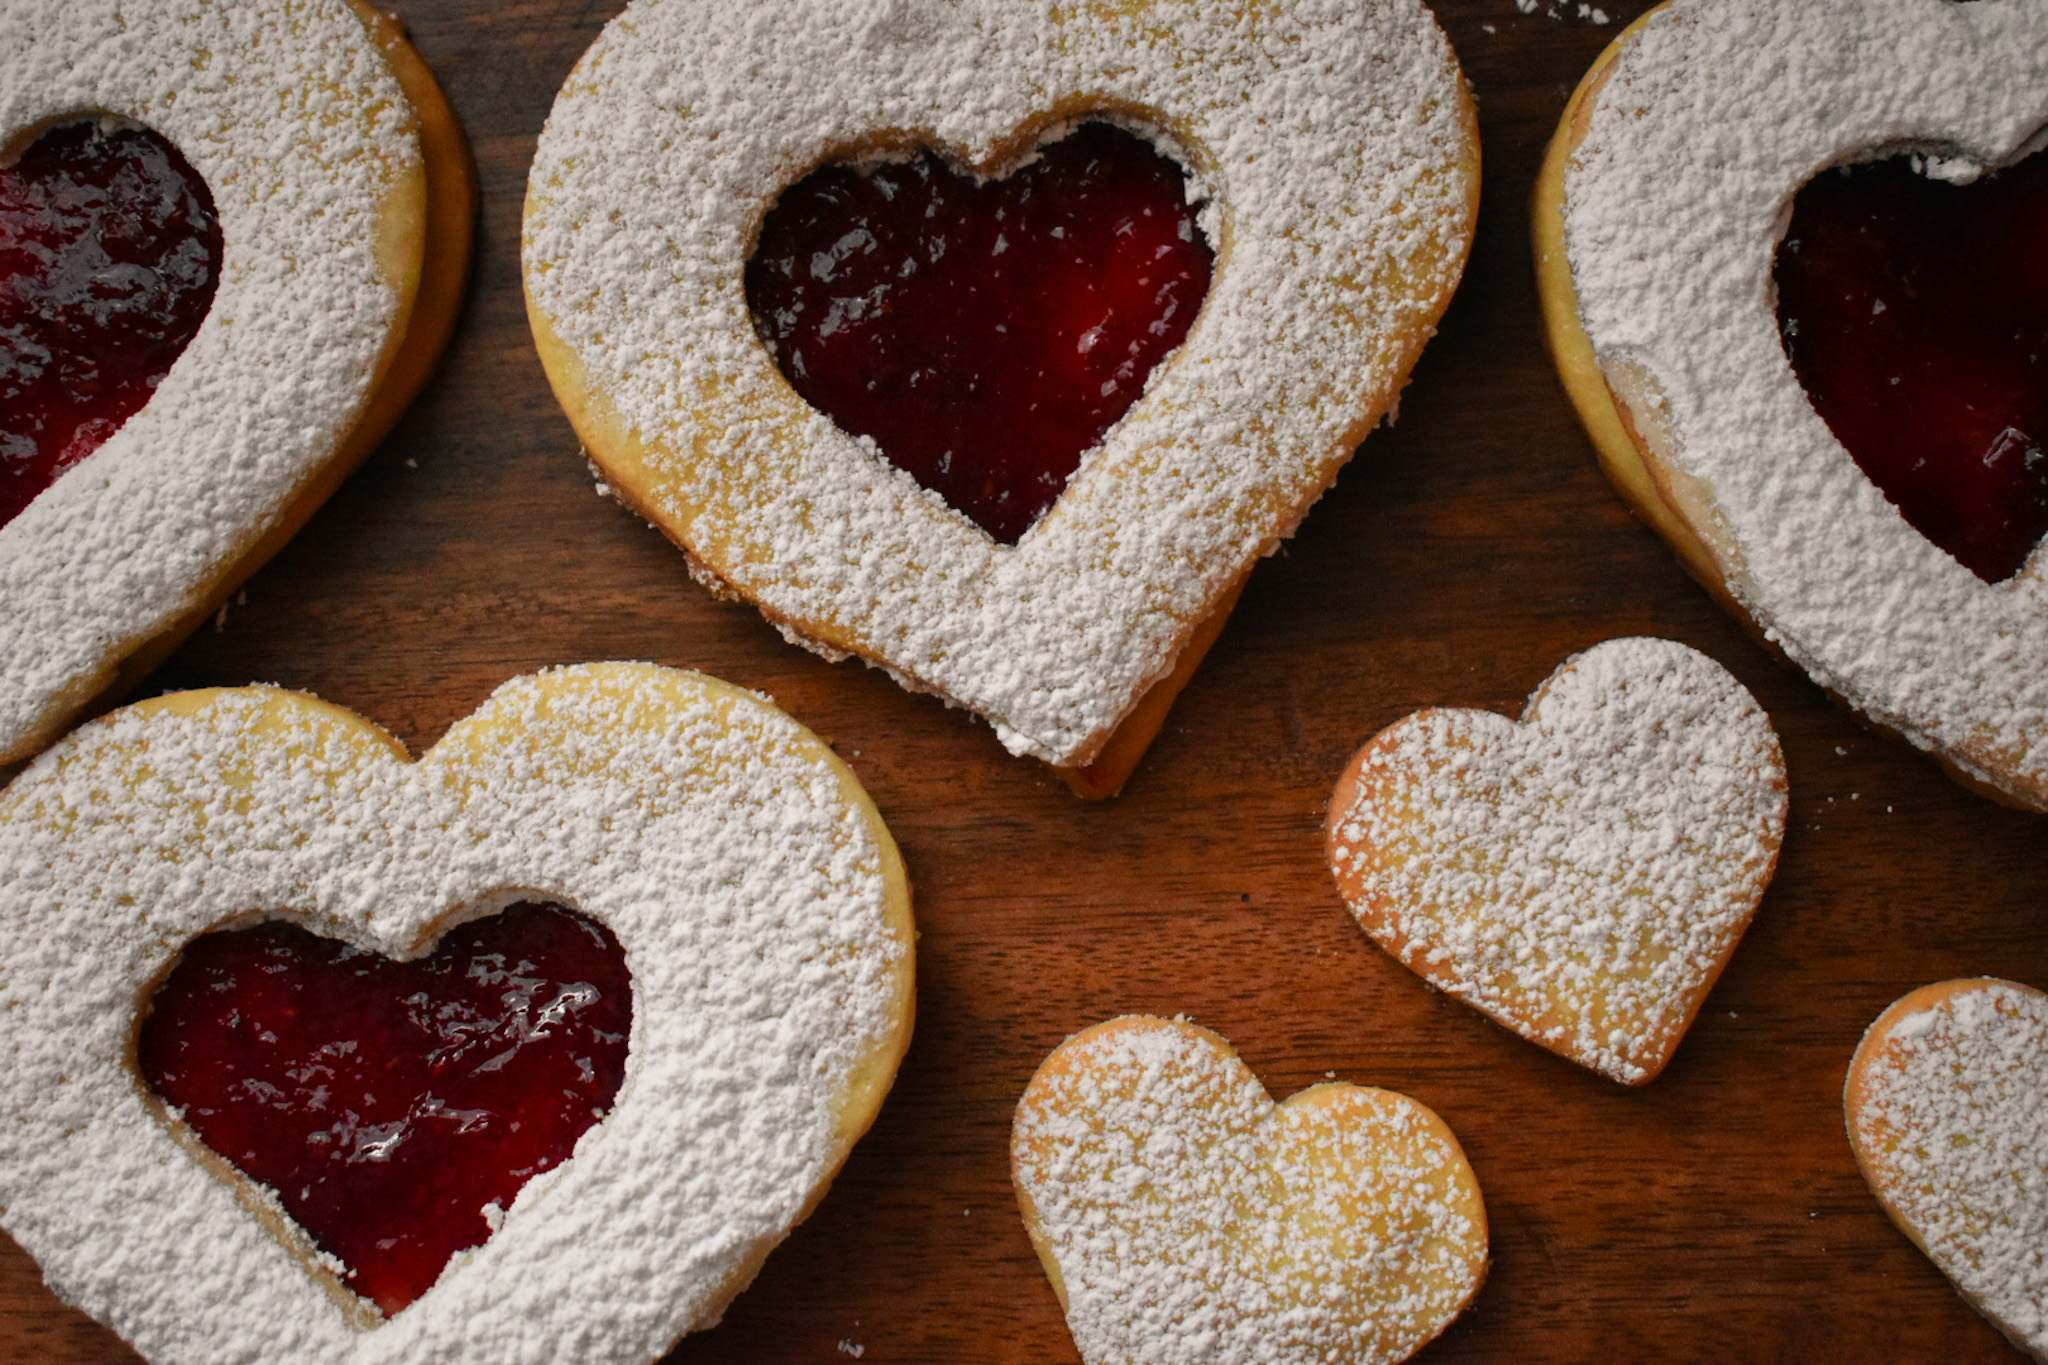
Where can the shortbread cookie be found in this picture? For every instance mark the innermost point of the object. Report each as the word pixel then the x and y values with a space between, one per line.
pixel 1183 1216
pixel 1581 876
pixel 583 824
pixel 303 298
pixel 1332 147
pixel 1947 1106
pixel 1661 229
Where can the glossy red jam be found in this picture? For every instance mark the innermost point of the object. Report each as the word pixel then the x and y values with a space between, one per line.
pixel 109 254
pixel 985 335
pixel 1916 314
pixel 391 1104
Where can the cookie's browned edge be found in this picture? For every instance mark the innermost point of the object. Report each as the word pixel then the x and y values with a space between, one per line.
pixel 1610 424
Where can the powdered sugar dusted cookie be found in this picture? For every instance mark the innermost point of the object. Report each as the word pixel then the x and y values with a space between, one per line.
pixel 1184 1216
pixel 1333 147
pixel 1843 486
pixel 1583 875
pixel 1947 1106
pixel 608 850
pixel 230 361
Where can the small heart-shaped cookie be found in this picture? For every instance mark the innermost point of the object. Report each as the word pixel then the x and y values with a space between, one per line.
pixel 1581 876
pixel 759 903
pixel 1947 1108
pixel 1183 1216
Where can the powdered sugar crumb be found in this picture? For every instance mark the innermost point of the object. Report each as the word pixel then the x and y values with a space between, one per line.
pixel 1953 1133
pixel 712 834
pixel 1561 9
pixel 1192 1219
pixel 293 118
pixel 1580 876
pixel 1331 137
pixel 1915 1025
pixel 1712 117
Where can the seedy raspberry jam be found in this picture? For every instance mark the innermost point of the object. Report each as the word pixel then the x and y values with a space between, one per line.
pixel 109 254
pixel 388 1103
pixel 985 335
pixel 1916 315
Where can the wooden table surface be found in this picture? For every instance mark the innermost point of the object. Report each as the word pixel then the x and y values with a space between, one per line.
pixel 1715 1215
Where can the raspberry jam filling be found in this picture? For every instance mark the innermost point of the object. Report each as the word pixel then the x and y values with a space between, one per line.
pixel 985 335
pixel 109 254
pixel 396 1108
pixel 1915 313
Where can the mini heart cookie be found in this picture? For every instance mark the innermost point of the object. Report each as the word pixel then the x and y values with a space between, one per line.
pixel 1691 178
pixel 700 840
pixel 1583 876
pixel 271 334
pixel 1334 149
pixel 1947 1109
pixel 1183 1216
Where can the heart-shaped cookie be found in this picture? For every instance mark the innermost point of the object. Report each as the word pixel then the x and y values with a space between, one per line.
pixel 344 198
pixel 1335 145
pixel 1584 875
pixel 1947 1108
pixel 1183 1216
pixel 1659 222
pixel 759 902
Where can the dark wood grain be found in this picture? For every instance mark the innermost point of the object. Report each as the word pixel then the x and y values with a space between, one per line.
pixel 1715 1215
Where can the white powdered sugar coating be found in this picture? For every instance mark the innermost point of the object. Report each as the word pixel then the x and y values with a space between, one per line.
pixel 1581 876
pixel 756 899
pixel 295 121
pixel 1952 1131
pixel 1193 1220
pixel 1713 116
pixel 1333 137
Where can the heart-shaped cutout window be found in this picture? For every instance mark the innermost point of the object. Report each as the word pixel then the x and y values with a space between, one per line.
pixel 983 333
pixel 1915 313
pixel 395 1108
pixel 110 251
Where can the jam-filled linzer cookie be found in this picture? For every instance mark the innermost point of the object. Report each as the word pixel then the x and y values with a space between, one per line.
pixel 1947 1107
pixel 1182 1216
pixel 532 1049
pixel 995 342
pixel 1791 267
pixel 233 237
pixel 1582 875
